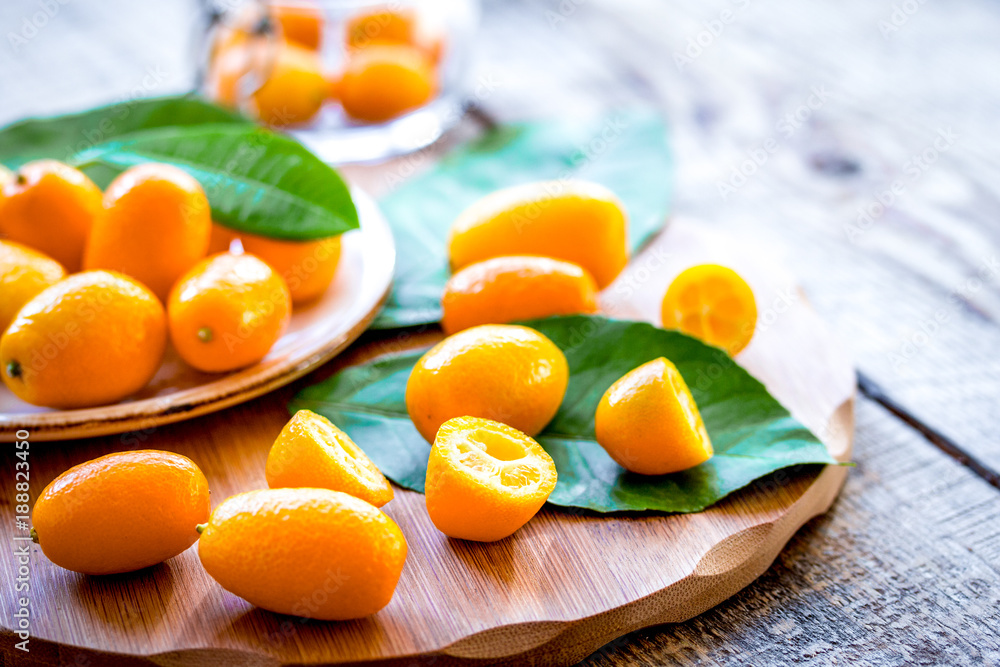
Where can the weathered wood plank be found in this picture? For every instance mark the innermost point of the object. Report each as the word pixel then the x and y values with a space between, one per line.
pixel 904 570
pixel 838 117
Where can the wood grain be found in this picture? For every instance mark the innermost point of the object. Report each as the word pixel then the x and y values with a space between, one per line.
pixel 902 571
pixel 857 586
pixel 915 293
pixel 555 591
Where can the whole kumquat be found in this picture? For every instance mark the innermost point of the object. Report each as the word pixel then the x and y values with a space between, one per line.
pixel 308 267
pixel 393 26
pixel 381 82
pixel 516 287
pixel 90 339
pixel 227 312
pixel 294 89
pixel 507 373
pixel 50 206
pixel 23 274
pixel 121 512
pixel 299 21
pixel 575 221
pixel 314 553
pixel 156 225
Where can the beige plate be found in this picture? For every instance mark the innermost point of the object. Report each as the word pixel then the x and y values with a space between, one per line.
pixel 317 332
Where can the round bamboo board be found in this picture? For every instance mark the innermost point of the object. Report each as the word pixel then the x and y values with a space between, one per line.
pixel 557 590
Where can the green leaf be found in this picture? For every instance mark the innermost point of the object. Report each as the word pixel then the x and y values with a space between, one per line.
pixel 627 152
pixel 257 181
pixel 753 435
pixel 60 137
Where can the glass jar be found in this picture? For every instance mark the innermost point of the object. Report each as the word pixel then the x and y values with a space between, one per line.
pixel 354 80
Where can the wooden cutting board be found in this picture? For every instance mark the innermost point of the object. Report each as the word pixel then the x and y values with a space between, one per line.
pixel 560 588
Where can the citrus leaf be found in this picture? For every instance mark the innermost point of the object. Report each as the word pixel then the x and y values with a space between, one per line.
pixel 627 152
pixel 257 181
pixel 60 137
pixel 753 435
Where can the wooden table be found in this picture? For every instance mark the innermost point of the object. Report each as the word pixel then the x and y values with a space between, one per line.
pixel 866 135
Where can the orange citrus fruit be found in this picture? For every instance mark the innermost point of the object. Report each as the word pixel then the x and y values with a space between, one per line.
pixel 239 65
pixel 311 452
pixel 156 225
pixel 516 287
pixel 314 553
pixel 575 221
pixel 649 423
pixel 507 373
pixel 301 21
pixel 91 339
pixel 485 479
pixel 392 26
pixel 227 312
pixel 384 81
pixel 23 274
pixel 713 303
pixel 308 267
pixel 295 87
pixel 50 206
pixel 121 512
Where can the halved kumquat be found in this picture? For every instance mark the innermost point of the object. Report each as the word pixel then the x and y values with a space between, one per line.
pixel 311 452
pixel 485 479
pixel 712 303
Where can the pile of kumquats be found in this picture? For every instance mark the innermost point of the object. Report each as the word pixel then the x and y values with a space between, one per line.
pixel 270 64
pixel 93 284
pixel 478 397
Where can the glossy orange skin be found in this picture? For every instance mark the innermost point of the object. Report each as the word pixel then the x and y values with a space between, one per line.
pixel 50 207
pixel 712 303
pixel 121 512
pixel 383 81
pixel 575 221
pixel 295 88
pixel 485 480
pixel 23 274
pixel 503 372
pixel 649 423
pixel 515 287
pixel 156 225
pixel 227 312
pixel 314 553
pixel 311 452
pixel 308 267
pixel 300 22
pixel 91 339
